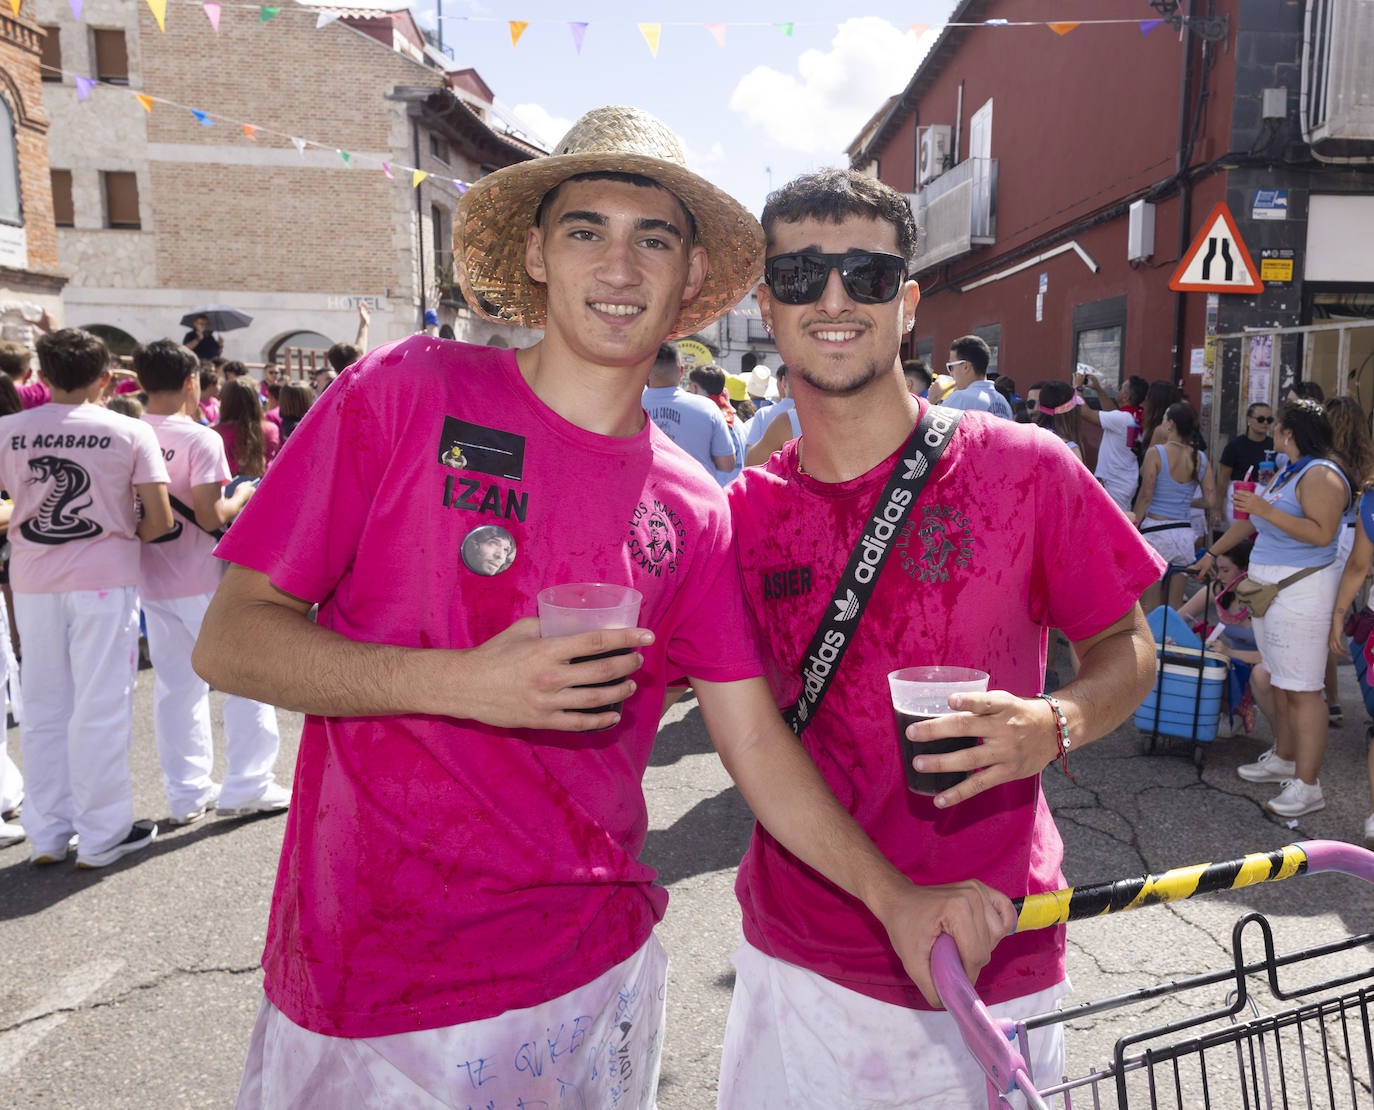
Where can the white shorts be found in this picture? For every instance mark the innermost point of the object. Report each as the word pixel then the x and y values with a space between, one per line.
pixel 1175 545
pixel 1292 635
pixel 594 1048
pixel 796 1041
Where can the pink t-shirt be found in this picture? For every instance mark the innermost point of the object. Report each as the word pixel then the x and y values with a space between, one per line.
pixel 271 442
pixel 33 394
pixel 71 472
pixel 182 563
pixel 209 408
pixel 1010 537
pixel 434 870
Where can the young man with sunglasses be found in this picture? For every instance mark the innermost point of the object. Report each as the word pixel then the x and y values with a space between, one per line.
pixel 969 357
pixel 964 572
pixel 1251 449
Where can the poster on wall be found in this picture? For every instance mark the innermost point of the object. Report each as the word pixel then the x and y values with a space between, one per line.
pixel 1261 367
pixel 1196 361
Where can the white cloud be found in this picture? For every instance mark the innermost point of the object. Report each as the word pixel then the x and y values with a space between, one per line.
pixel 820 108
pixel 699 161
pixel 542 123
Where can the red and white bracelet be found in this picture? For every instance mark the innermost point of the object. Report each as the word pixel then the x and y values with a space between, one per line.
pixel 1061 725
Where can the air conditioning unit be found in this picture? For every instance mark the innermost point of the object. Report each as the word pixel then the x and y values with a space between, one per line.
pixel 934 154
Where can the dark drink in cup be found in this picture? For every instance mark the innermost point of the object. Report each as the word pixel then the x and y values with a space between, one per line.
pixel 614 708
pixel 929 782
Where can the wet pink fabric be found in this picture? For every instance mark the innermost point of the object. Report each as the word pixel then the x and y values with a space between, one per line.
pixel 1010 538
pixel 437 871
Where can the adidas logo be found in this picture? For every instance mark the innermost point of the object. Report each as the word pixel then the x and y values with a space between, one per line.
pixel 848 606
pixel 914 468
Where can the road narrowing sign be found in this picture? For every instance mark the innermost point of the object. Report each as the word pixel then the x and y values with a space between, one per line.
pixel 1217 262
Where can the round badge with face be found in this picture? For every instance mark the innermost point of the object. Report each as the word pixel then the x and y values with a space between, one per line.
pixel 488 550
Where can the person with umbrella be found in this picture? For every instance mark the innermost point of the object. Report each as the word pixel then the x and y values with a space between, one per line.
pixel 204 322
pixel 201 339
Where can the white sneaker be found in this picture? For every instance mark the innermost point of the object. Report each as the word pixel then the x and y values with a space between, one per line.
pixel 1296 798
pixel 1369 831
pixel 273 799
pixel 1268 768
pixel 194 814
pixel 141 834
pixel 10 834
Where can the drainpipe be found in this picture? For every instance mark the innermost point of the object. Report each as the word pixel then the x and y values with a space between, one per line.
pixel 1185 190
pixel 419 228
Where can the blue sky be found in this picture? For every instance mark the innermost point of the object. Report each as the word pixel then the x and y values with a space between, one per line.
pixel 766 102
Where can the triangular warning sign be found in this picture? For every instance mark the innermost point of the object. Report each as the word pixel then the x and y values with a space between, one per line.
pixel 1217 262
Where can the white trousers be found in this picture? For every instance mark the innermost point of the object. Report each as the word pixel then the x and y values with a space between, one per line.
pixel 80 660
pixel 11 781
pixel 796 1041
pixel 595 1048
pixel 181 717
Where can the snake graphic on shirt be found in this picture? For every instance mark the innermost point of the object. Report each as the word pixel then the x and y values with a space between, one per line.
pixel 59 518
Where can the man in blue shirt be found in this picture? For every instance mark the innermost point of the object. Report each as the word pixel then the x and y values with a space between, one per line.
pixel 694 423
pixel 968 366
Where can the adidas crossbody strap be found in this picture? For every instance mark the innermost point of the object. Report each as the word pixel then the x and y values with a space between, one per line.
pixel 821 662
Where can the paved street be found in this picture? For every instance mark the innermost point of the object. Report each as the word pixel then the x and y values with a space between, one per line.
pixel 136 986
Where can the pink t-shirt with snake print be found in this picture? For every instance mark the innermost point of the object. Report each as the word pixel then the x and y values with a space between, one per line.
pixel 71 471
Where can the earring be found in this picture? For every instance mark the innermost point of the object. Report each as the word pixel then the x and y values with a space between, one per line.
pixel 910 324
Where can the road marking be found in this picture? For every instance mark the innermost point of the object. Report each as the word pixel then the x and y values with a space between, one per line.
pixel 42 1018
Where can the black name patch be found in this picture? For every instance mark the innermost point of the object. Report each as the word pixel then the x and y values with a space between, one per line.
pixel 465 446
pixel 786 583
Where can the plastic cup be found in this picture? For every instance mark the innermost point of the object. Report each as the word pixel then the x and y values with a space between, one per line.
pixel 585 607
pixel 920 694
pixel 1236 487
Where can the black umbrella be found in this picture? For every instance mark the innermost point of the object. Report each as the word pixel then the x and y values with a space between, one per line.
pixel 222 317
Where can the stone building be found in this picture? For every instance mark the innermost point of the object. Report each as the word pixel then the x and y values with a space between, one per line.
pixel 30 279
pixel 159 210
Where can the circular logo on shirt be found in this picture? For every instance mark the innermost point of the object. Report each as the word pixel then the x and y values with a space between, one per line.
pixel 656 537
pixel 940 540
pixel 488 550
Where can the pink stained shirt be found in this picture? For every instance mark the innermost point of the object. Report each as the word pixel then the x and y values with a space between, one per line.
pixel 32 394
pixel 209 409
pixel 438 871
pixel 182 564
pixel 271 442
pixel 71 472
pixel 1011 537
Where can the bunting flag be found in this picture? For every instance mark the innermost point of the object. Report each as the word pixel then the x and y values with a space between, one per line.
pixel 579 32
pixel 202 118
pixel 517 28
pixel 386 169
pixel 717 32
pixel 145 100
pixel 416 176
pixel 325 18
pixel 159 10
pixel 76 10
pixel 347 158
pixel 248 129
pixel 1061 28
pixel 264 13
pixel 460 186
pixel 300 145
pixel 1148 25
pixel 15 5
pixel 651 33
pixel 785 28
pixel 84 85
pixel 212 14
pixel 918 29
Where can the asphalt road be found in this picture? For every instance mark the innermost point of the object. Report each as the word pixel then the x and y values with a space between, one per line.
pixel 136 986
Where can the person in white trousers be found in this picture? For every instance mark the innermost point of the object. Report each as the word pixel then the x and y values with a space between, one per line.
pixel 177 577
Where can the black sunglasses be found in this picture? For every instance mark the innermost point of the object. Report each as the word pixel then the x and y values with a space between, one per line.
pixel 1262 419
pixel 868 278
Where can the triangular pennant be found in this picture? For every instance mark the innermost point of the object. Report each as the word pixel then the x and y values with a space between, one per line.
pixel 517 28
pixel 579 32
pixel 918 29
pixel 386 169
pixel 15 5
pixel 84 85
pixel 345 156
pixel 248 130
pixel 1061 28
pixel 325 18
pixel 76 10
pixel 212 14
pixel 1148 25
pixel 718 33
pixel 300 145
pixel 265 13
pixel 416 176
pixel 651 33
pixel 145 100
pixel 202 118
pixel 159 10
pixel 460 186
pixel 785 28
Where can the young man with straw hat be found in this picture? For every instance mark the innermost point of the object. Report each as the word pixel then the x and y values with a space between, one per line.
pixel 461 917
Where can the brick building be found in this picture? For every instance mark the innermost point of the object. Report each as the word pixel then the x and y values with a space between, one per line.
pixel 1024 152
pixel 158 212
pixel 30 278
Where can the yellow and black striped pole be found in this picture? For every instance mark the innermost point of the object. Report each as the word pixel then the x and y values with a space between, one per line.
pixel 1056 907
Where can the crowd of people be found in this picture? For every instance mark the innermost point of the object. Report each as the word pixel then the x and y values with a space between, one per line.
pixel 460 868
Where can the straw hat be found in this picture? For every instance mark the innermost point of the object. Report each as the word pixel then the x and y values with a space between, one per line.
pixel 496 213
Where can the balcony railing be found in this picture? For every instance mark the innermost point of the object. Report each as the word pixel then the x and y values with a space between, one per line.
pixel 956 212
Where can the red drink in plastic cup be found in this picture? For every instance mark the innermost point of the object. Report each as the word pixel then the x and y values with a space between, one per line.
pixel 1249 487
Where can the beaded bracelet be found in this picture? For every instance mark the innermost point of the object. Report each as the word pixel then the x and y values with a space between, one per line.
pixel 1061 725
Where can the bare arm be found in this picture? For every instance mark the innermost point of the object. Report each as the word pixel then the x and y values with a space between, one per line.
pixel 157 511
pixel 258 641
pixel 1115 672
pixel 213 512
pixel 1352 578
pixel 792 801
pixel 1209 489
pixel 364 318
pixel 1149 472
pixel 774 436
pixel 1323 498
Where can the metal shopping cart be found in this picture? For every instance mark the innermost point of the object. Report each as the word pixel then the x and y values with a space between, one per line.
pixel 1317 1050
